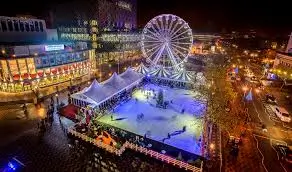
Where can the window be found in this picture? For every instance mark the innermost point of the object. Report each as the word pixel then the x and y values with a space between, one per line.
pixel 26 27
pixel 21 26
pixel 16 26
pixel 36 25
pixel 277 109
pixel 4 26
pixel 10 26
pixel 41 26
pixel 32 27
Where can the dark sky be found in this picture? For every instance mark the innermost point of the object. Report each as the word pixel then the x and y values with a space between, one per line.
pixel 269 16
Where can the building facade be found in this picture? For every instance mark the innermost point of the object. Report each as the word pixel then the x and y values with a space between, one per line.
pixel 37 66
pixel 283 59
pixel 119 47
pixel 117 15
pixel 19 29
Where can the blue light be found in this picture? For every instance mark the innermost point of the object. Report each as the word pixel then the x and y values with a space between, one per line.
pixel 148 75
pixel 10 165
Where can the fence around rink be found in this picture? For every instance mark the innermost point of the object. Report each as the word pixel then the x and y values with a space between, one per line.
pixel 148 152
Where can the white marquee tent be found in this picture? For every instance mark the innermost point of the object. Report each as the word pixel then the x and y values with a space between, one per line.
pixel 98 93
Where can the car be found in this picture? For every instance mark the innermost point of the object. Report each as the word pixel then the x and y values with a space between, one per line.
pixel 271 99
pixel 281 113
pixel 285 153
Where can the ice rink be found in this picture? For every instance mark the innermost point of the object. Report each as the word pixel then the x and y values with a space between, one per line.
pixel 158 122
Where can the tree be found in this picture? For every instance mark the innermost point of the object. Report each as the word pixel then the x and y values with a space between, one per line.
pixel 218 95
pixel 160 101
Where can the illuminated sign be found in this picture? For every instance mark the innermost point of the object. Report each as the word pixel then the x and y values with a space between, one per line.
pixel 54 47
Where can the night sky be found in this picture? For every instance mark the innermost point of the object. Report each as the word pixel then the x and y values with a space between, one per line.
pixel 270 16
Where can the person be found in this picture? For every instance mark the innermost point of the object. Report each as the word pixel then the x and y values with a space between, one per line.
pixel 182 111
pixel 112 117
pixel 184 128
pixel 168 135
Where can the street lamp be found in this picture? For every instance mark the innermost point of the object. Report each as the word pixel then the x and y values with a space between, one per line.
pixel 244 88
pixel 257 90
pixel 212 146
pixel 57 98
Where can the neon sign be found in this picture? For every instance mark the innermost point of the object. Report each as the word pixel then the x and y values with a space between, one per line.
pixel 54 47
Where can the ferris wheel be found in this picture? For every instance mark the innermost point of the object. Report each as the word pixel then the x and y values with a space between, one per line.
pixel 166 41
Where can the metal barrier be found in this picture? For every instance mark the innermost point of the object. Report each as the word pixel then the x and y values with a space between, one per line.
pixel 151 153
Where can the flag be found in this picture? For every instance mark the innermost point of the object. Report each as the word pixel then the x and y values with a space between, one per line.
pixel 236 70
pixel 249 96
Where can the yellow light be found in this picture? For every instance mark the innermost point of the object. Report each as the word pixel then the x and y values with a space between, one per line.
pixel 109 74
pixel 212 146
pixel 3 51
pixel 257 90
pixel 233 65
pixel 35 54
pixel 13 55
pixel 244 88
pixel 240 66
pixel 56 95
pixel 285 73
pixel 271 70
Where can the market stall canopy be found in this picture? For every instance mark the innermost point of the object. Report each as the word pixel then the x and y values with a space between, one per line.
pixel 142 69
pixel 160 72
pixel 183 76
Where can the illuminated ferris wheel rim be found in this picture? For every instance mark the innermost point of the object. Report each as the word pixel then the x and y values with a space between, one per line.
pixel 167 34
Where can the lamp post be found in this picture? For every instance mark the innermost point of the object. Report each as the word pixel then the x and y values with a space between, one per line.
pixel 57 98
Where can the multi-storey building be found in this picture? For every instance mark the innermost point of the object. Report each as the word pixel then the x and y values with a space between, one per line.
pixel 28 61
pixel 35 66
pixel 116 15
pixel 19 29
pixel 119 47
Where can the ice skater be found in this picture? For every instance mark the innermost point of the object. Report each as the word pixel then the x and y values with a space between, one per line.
pixel 184 128
pixel 112 118
pixel 168 135
pixel 183 111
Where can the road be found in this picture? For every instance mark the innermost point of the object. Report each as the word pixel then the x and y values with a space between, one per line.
pixel 277 132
